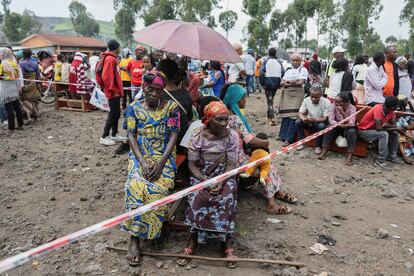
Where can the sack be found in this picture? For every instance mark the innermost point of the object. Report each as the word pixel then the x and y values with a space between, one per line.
pixel 341 142
pixel 99 100
pixel 30 92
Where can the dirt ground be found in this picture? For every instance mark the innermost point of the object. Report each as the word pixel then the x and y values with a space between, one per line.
pixel 56 178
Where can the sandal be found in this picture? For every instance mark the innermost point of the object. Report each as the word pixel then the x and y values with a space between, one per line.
pixel 184 261
pixel 230 255
pixel 282 210
pixel 288 198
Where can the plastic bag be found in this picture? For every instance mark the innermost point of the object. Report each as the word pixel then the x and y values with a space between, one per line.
pixel 341 142
pixel 99 100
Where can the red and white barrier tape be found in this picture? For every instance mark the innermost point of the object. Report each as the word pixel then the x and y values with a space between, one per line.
pixel 24 257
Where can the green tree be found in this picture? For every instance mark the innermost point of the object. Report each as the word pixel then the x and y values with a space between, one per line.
pixel 29 24
pixel 258 27
pixel 82 20
pixel 407 15
pixel 11 27
pixel 357 19
pixel 124 25
pixel 17 27
pixel 391 40
pixel 6 6
pixel 228 20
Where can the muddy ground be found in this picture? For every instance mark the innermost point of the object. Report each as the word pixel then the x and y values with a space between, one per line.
pixel 56 178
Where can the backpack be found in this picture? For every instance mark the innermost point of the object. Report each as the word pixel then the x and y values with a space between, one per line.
pixel 99 70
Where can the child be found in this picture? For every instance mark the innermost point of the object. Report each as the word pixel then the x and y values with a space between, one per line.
pixel 264 167
pixel 406 123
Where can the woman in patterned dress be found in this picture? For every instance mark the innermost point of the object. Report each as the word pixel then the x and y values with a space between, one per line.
pixel 213 150
pixel 153 125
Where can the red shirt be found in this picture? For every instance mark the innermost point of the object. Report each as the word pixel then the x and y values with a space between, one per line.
pixel 135 68
pixel 376 113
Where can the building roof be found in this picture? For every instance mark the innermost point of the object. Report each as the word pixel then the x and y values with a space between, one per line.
pixel 65 40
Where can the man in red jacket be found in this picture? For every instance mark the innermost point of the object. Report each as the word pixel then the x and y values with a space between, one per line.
pixel 110 81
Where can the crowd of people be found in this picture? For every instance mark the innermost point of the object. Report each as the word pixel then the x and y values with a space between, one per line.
pixel 174 105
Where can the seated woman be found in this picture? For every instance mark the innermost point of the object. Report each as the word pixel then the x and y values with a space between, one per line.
pixel 235 99
pixel 153 125
pixel 212 151
pixel 291 99
pixel 341 110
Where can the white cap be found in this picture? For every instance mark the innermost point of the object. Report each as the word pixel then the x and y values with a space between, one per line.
pixel 338 49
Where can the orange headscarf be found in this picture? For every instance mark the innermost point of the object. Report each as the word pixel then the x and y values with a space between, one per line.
pixel 213 109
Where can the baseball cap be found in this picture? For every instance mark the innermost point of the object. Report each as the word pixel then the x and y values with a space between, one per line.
pixel 141 47
pixel 338 49
pixel 250 51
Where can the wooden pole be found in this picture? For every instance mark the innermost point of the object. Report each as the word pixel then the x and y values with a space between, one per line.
pixel 195 257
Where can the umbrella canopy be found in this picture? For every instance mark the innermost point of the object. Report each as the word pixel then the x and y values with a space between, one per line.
pixel 191 39
pixel 282 54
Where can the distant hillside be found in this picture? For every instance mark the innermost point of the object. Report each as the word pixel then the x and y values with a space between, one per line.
pixel 63 26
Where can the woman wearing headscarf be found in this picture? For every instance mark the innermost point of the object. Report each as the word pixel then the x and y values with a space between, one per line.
pixel 292 98
pixel 211 212
pixel 235 99
pixel 405 87
pixel 10 88
pixel 153 125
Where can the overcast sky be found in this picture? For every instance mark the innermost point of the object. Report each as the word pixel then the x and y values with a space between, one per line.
pixel 103 10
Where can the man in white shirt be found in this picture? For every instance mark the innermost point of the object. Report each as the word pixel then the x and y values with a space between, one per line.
pixel 249 65
pixel 375 80
pixel 236 70
pixel 273 76
pixel 313 115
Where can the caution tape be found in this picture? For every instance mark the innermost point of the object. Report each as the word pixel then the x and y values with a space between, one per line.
pixel 24 257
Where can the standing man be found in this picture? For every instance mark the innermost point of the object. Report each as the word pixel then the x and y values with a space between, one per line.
pixel 379 124
pixel 135 68
pixel 110 80
pixel 392 86
pixel 249 63
pixel 236 70
pixel 272 79
pixel 375 79
pixel 337 52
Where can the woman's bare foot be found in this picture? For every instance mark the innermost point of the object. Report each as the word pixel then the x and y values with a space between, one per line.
pixel 229 252
pixel 189 250
pixel 349 159
pixel 134 255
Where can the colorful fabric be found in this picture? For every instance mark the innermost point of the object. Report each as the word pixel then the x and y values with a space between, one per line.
pixel 212 215
pixel 58 71
pixel 77 75
pixel 234 94
pixel 335 116
pixel 153 130
pixel 123 64
pixel 376 113
pixel 9 71
pixel 274 179
pixel 214 109
pixel 157 81
pixel 264 167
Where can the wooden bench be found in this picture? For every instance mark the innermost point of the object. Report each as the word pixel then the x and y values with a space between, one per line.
pixel 361 148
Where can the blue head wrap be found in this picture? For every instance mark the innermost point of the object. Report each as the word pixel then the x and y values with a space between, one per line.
pixel 232 98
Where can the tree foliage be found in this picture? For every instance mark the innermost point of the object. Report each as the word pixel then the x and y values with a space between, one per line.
pixel 258 33
pixel 124 25
pixel 82 20
pixel 16 26
pixel 357 19
pixel 407 15
pixel 227 20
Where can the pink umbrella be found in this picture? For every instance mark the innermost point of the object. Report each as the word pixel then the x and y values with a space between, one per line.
pixel 190 39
